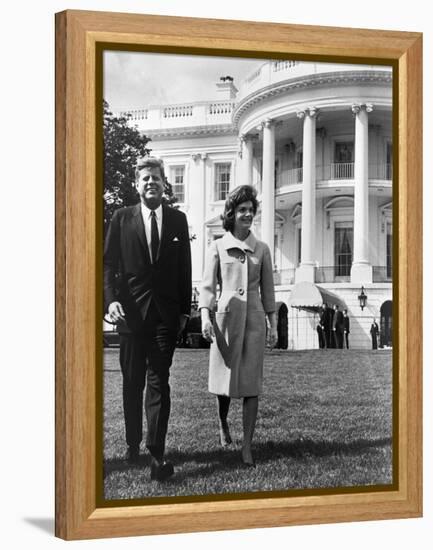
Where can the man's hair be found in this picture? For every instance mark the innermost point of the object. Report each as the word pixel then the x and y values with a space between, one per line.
pixel 344 310
pixel 240 194
pixel 149 162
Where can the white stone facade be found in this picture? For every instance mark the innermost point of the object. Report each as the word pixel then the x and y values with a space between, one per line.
pixel 316 141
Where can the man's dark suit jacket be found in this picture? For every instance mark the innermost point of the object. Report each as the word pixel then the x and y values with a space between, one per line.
pixel 346 324
pixel 337 321
pixel 129 275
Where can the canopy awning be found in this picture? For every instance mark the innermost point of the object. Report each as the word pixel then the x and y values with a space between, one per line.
pixel 311 297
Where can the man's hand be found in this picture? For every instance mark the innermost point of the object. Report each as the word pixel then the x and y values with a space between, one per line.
pixel 207 331
pixel 115 312
pixel 183 319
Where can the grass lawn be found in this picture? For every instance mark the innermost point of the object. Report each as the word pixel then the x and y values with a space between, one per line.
pixel 325 420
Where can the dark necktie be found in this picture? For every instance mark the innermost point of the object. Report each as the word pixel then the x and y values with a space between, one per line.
pixel 154 236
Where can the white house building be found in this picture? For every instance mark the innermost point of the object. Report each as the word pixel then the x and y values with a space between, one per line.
pixel 316 141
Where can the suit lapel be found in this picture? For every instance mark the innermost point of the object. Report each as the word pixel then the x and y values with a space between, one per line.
pixel 137 222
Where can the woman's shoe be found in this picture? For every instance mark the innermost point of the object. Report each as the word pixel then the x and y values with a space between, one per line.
pixel 247 458
pixel 225 438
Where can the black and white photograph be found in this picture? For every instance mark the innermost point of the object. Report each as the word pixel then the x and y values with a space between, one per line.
pixel 248 282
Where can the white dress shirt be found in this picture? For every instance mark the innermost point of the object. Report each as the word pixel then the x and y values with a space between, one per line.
pixel 146 214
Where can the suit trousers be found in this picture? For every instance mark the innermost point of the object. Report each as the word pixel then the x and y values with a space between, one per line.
pixel 338 338
pixel 145 359
pixel 346 340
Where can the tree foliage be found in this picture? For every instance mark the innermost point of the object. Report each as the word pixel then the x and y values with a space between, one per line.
pixel 123 144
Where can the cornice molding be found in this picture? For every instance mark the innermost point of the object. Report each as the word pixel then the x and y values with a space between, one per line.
pixel 310 81
pixel 192 131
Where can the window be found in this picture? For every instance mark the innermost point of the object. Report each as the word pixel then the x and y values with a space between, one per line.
pixel 343 160
pixel 222 180
pixel 344 151
pixel 388 251
pixel 178 182
pixel 343 247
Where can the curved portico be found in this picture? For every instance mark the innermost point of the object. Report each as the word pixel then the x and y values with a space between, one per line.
pixel 304 153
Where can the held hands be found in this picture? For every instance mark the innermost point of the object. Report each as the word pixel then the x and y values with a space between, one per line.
pixel 116 313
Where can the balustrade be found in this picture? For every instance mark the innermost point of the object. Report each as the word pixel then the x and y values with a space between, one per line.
pixel 178 111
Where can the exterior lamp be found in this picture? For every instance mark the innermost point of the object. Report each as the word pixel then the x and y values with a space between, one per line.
pixel 362 298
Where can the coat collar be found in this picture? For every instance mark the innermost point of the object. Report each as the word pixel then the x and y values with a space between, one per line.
pixel 230 241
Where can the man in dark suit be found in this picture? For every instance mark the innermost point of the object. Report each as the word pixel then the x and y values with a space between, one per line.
pixel 321 332
pixel 346 328
pixel 147 292
pixel 337 327
pixel 374 331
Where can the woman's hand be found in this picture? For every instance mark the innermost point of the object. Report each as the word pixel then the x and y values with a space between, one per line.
pixel 207 331
pixel 272 337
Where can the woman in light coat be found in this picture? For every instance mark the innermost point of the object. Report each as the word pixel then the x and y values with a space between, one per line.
pixel 241 266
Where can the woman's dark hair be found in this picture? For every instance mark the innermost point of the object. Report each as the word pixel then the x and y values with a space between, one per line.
pixel 240 194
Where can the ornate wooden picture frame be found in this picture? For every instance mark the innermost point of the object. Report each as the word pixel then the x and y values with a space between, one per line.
pixel 80 38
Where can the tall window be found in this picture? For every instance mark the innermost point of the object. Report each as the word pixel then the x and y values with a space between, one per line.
pixel 343 160
pixel 343 247
pixel 222 180
pixel 388 251
pixel 344 151
pixel 178 182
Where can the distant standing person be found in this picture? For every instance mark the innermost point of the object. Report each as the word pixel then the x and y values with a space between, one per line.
pixel 321 329
pixel 346 328
pixel 337 327
pixel 374 331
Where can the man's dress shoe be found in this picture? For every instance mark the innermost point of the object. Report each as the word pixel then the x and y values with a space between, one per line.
pixel 160 471
pixel 133 455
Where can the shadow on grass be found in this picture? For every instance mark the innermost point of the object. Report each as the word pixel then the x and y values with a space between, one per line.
pixel 224 460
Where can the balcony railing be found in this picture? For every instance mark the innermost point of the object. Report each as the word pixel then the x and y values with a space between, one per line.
pixel 332 274
pixel 380 171
pixel 200 113
pixel 294 176
pixel 341 171
pixel 334 171
pixel 382 274
pixel 284 276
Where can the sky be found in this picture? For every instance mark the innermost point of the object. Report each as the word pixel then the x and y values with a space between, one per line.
pixel 136 80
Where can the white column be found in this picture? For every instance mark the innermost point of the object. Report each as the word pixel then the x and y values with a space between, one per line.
pixel 305 272
pixel 362 271
pixel 268 185
pixel 247 159
pixel 199 211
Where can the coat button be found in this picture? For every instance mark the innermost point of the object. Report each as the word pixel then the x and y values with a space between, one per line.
pixel 241 291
